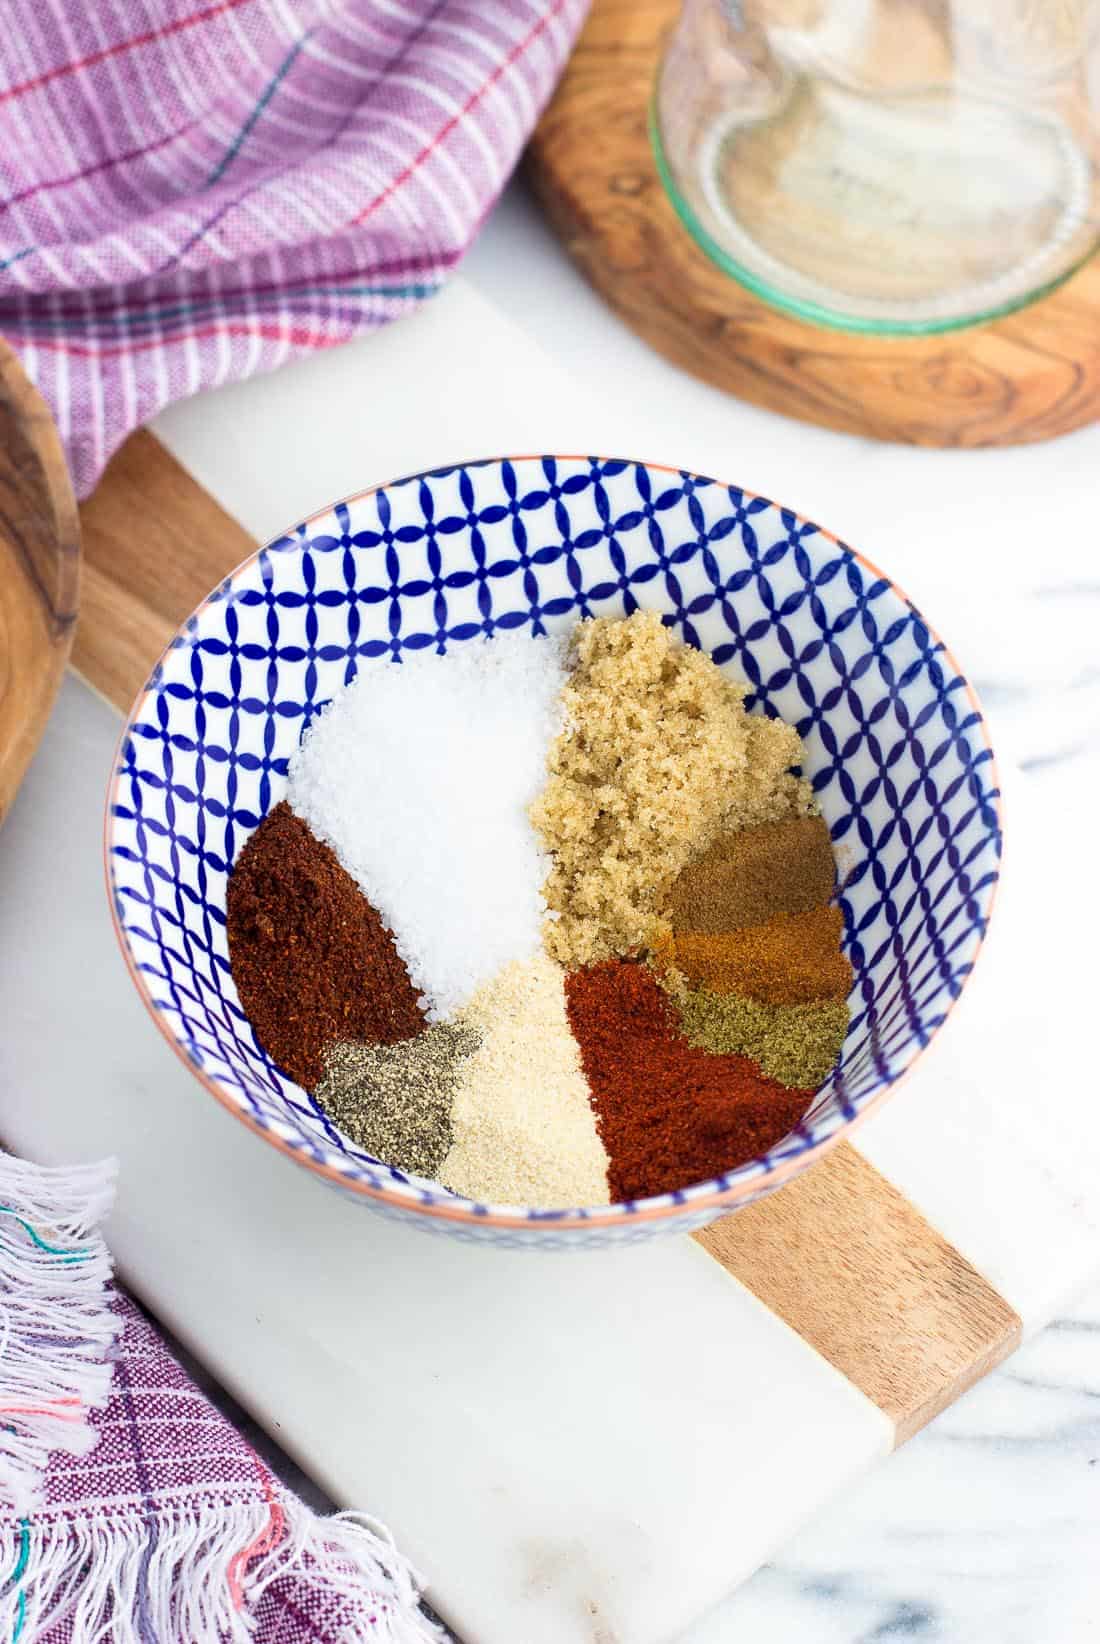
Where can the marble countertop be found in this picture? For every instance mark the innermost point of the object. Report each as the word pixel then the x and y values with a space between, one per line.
pixel 984 1526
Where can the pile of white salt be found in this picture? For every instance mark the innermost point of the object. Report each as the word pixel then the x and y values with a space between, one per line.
pixel 419 776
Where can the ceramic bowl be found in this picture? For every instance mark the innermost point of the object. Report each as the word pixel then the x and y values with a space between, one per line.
pixel 895 745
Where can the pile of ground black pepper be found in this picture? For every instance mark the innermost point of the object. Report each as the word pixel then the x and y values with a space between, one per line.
pixel 313 963
pixel 395 1100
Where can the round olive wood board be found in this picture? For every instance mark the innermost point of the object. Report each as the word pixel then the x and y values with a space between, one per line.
pixel 1030 376
pixel 39 570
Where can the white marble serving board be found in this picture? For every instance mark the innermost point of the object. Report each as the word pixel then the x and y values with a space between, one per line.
pixel 585 1450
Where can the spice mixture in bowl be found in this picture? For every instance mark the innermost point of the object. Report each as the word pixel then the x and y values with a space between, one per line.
pixel 553 850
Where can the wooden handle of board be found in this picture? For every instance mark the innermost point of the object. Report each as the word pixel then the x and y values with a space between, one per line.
pixel 39 570
pixel 860 1275
pixel 155 544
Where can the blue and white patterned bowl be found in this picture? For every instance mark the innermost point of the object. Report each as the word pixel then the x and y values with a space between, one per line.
pixel 895 745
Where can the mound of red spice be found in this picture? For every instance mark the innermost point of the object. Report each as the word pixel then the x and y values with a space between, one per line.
pixel 669 1114
pixel 312 960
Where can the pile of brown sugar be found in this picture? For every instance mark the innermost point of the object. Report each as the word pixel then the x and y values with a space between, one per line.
pixel 657 758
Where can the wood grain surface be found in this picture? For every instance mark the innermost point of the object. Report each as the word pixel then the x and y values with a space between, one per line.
pixel 39 570
pixel 850 1265
pixel 155 544
pixel 1029 376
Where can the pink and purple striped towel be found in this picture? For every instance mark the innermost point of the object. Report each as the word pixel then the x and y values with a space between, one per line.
pixel 131 1511
pixel 192 191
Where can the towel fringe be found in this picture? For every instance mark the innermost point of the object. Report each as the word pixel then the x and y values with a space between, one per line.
pixel 198 1569
pixel 57 1328
pixel 172 1575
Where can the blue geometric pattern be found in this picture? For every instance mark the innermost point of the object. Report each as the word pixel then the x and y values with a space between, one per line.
pixel 895 747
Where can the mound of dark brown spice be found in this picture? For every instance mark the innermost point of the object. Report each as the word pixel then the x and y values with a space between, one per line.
pixel 747 877
pixel 312 960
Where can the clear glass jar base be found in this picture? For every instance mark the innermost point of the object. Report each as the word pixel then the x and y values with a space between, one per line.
pixel 910 219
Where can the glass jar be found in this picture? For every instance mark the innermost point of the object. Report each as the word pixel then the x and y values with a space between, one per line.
pixel 885 165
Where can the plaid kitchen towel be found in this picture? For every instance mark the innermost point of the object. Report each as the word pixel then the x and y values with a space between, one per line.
pixel 192 191
pixel 131 1511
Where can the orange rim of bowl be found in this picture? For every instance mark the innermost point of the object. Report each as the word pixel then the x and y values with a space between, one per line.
pixel 598 1216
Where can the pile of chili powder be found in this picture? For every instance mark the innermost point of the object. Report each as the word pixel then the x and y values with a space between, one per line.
pixel 550 926
pixel 707 1053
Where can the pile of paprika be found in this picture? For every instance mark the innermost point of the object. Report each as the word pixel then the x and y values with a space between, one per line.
pixel 668 1113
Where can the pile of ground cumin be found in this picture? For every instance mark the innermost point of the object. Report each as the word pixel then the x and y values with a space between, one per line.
pixel 657 758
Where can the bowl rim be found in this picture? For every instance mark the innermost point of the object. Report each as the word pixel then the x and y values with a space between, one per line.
pixel 462 1211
